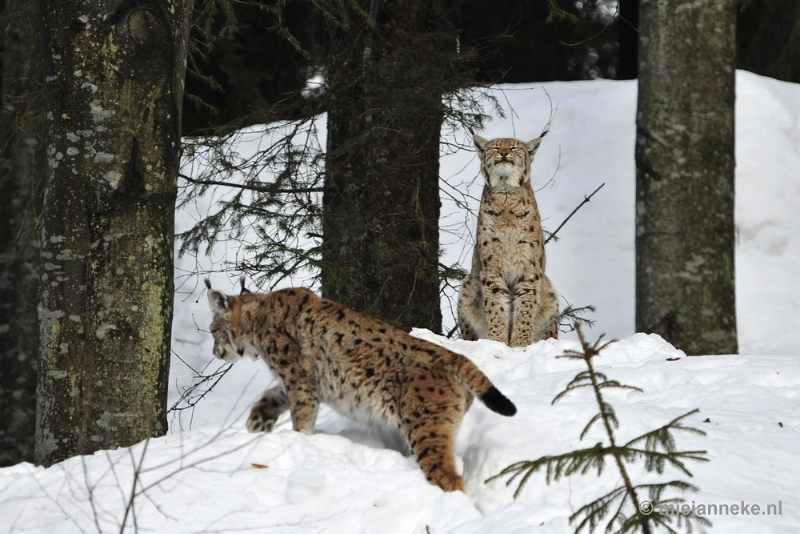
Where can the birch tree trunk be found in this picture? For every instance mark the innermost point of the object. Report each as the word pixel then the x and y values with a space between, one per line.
pixel 685 285
pixel 114 86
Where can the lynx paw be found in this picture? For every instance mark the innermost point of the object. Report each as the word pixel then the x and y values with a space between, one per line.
pixel 259 422
pixel 448 481
pixel 266 411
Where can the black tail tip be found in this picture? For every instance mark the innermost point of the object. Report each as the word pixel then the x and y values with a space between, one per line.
pixel 497 402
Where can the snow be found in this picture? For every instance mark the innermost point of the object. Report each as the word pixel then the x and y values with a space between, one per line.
pixel 210 475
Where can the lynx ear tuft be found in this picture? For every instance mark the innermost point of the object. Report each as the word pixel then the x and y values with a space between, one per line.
pixel 244 289
pixel 208 282
pixel 218 301
pixel 480 143
pixel 533 146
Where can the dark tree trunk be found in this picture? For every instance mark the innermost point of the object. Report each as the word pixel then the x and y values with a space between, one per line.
pixel 685 288
pixel 628 39
pixel 21 177
pixel 114 85
pixel 768 38
pixel 381 206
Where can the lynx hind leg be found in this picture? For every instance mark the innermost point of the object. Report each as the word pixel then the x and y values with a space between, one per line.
pixel 430 426
pixel 266 411
pixel 471 319
pixel 433 447
pixel 548 317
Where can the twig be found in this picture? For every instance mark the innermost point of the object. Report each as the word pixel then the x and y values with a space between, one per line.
pixel 598 34
pixel 131 499
pixel 252 187
pixel 585 200
pixel 452 331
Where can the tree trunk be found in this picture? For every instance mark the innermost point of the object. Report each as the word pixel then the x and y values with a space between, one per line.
pixel 21 177
pixel 114 86
pixel 628 39
pixel 768 38
pixel 685 288
pixel 381 205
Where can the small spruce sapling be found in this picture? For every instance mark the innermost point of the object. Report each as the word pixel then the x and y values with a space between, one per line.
pixel 629 512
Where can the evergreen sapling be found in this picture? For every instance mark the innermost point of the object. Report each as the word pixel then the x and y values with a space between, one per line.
pixel 629 512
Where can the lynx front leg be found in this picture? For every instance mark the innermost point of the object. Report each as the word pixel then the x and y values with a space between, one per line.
pixel 496 306
pixel 527 300
pixel 297 376
pixel 547 321
pixel 471 318
pixel 266 411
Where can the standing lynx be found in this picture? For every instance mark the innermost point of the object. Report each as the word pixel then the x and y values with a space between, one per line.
pixel 507 296
pixel 368 371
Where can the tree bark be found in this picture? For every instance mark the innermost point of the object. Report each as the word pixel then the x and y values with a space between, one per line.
pixel 381 205
pixel 114 87
pixel 21 178
pixel 685 285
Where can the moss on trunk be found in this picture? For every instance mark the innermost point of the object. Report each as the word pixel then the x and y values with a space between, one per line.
pixel 114 88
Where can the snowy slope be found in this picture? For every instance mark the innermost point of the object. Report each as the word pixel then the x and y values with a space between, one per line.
pixel 344 480
pixel 217 478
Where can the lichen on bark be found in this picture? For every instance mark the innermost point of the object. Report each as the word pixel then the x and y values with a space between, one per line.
pixel 114 101
pixel 685 284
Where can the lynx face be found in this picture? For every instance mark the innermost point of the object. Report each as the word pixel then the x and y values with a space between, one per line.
pixel 505 162
pixel 224 344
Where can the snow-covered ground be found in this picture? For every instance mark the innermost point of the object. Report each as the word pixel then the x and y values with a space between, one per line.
pixel 209 475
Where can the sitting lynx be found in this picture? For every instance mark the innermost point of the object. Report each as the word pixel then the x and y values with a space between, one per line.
pixel 507 296
pixel 375 374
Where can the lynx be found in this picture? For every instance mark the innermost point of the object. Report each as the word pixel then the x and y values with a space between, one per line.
pixel 507 296
pixel 366 370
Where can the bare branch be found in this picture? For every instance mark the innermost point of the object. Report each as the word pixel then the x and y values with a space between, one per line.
pixel 585 200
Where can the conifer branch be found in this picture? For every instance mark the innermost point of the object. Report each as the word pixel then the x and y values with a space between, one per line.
pixel 657 448
pixel 574 314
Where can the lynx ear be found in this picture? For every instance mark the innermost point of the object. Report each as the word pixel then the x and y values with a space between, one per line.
pixel 218 301
pixel 480 143
pixel 244 289
pixel 533 146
